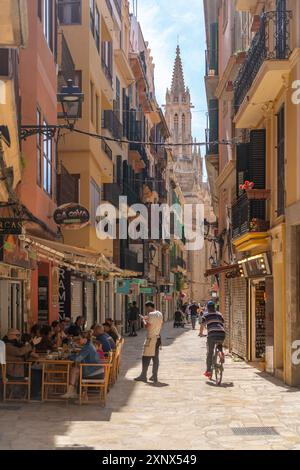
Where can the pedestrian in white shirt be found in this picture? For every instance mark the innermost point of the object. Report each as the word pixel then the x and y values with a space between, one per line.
pixel 153 322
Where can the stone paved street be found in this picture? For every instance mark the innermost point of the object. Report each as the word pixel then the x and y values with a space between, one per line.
pixel 184 412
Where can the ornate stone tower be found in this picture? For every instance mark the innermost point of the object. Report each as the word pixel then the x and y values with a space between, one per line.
pixel 189 171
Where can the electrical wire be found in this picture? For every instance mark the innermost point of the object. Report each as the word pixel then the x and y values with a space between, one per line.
pixel 157 144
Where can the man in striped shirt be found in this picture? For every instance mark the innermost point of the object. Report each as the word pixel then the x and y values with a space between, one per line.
pixel 215 333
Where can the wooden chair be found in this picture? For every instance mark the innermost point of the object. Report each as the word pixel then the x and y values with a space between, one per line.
pixel 55 379
pixel 91 385
pixel 122 341
pixel 11 382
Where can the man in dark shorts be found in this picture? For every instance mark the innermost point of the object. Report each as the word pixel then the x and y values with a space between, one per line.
pixel 215 334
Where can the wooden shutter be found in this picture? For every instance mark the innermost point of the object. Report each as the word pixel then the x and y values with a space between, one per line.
pixel 257 158
pixel 213 126
pixel 281 162
pixel 213 47
pixel 119 169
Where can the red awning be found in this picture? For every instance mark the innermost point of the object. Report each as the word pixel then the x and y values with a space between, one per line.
pixel 221 269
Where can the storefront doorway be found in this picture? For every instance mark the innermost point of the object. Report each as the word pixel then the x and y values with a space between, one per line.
pixel 11 305
pixel 258 320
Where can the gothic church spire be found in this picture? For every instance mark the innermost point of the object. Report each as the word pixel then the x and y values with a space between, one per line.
pixel 178 85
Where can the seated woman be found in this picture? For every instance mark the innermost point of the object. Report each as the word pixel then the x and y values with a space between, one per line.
pixel 46 343
pixel 87 355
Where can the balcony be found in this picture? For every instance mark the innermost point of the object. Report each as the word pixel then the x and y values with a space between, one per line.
pixel 245 5
pixel 249 224
pixel 13 23
pixel 260 78
pixel 111 193
pixel 123 64
pixel 67 187
pixel 106 149
pixel 110 121
pixel 65 61
pixel 130 261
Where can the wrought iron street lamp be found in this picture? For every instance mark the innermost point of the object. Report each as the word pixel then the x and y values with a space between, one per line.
pixel 70 98
pixel 152 252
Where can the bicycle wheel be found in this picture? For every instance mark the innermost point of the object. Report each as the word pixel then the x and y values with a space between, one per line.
pixel 218 366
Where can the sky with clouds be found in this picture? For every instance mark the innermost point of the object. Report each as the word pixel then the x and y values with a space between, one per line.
pixel 162 22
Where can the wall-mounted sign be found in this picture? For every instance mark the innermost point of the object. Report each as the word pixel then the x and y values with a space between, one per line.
pixel 10 226
pixel 122 286
pixel 256 266
pixel 71 216
pixel 64 295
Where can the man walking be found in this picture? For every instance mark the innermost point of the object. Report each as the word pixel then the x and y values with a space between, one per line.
pixel 133 316
pixel 194 313
pixel 153 322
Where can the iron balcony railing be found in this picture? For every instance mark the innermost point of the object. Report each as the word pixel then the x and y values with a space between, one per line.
pixel 271 42
pixel 110 121
pixel 211 147
pixel 107 71
pixel 211 63
pixel 67 187
pixel 249 215
pixel 106 148
pixel 140 148
pixel 111 193
pixel 132 194
pixel 130 261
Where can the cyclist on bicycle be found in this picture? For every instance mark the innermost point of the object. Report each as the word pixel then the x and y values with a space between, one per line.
pixel 215 334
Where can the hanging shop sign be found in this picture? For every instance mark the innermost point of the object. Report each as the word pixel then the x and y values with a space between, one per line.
pixel 71 216
pixel 256 266
pixel 122 286
pixel 10 226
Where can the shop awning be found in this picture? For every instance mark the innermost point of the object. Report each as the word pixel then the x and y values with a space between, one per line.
pixel 221 269
pixel 80 259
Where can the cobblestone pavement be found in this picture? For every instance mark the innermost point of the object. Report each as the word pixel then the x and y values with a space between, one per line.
pixel 183 412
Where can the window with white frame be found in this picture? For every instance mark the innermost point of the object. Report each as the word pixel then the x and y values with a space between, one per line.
pixel 47 14
pixel 47 164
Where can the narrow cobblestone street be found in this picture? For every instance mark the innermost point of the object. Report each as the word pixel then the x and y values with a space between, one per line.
pixel 184 412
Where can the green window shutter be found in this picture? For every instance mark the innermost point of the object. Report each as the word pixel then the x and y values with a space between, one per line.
pixel 213 112
pixel 257 160
pixel 213 47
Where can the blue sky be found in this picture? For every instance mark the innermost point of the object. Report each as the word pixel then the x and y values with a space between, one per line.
pixel 162 21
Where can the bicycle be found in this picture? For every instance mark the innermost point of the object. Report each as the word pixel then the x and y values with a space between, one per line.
pixel 218 363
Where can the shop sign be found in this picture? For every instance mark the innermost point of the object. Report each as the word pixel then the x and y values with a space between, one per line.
pixel 10 226
pixel 122 286
pixel 64 293
pixel 148 290
pixel 256 266
pixel 71 216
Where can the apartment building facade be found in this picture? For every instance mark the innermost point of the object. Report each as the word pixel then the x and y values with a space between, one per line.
pixel 256 65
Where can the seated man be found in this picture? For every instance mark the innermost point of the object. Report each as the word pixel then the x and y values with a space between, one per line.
pixel 87 355
pixel 77 328
pixel 16 352
pixel 215 334
pixel 107 342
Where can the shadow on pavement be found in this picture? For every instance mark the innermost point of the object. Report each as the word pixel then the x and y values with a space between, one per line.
pixel 47 421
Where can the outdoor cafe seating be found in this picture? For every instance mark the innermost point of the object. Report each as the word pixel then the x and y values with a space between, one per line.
pixel 55 369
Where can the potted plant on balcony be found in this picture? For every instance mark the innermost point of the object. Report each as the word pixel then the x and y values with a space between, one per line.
pixel 258 225
pixel 259 194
